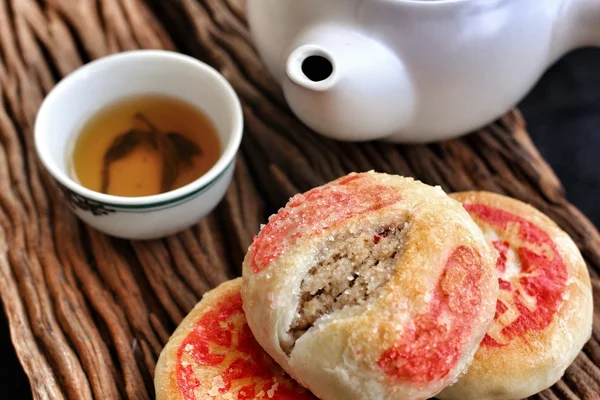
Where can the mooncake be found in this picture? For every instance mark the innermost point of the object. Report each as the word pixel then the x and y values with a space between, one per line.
pixel 544 310
pixel 213 355
pixel 372 286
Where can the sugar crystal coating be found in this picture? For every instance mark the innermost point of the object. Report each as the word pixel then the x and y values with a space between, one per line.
pixel 316 211
pixel 432 343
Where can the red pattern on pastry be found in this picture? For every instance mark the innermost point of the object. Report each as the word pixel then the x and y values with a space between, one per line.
pixel 431 345
pixel 537 290
pixel 544 309
pixel 217 356
pixel 318 210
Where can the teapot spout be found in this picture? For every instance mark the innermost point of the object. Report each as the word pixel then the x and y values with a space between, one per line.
pixel 313 67
pixel 347 85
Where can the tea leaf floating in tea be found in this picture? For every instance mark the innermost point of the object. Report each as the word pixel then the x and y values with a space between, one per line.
pixel 175 149
pixel 144 145
pixel 184 150
pixel 121 147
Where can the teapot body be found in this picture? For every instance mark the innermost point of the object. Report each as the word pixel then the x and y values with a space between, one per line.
pixel 453 65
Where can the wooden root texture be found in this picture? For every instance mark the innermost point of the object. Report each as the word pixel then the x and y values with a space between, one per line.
pixel 89 314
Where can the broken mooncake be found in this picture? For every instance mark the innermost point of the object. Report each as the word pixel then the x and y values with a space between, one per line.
pixel 545 306
pixel 213 355
pixel 372 286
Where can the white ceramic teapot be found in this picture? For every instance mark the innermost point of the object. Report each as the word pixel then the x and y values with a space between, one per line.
pixel 413 70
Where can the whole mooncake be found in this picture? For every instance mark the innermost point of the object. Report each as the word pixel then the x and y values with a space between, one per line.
pixel 372 286
pixel 213 355
pixel 545 307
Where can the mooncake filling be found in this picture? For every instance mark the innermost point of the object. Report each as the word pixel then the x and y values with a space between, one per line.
pixel 349 272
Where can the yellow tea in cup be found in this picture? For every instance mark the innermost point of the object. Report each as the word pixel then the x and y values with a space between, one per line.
pixel 144 145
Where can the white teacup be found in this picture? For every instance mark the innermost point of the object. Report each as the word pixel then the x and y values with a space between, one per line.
pixel 102 82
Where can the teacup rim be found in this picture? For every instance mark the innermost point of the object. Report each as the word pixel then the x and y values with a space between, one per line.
pixel 214 173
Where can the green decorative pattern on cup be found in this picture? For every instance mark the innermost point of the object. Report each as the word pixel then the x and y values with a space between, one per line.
pixel 82 203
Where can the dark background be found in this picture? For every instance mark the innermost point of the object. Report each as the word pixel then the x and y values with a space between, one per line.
pixel 563 117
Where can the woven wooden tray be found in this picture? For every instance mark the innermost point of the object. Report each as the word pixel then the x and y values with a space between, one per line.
pixel 89 314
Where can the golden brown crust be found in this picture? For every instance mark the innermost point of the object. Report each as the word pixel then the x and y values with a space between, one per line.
pixel 409 341
pixel 212 355
pixel 528 349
